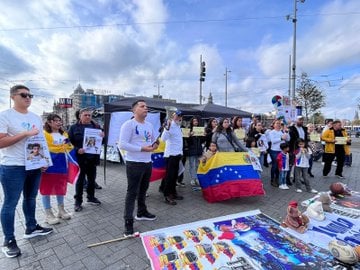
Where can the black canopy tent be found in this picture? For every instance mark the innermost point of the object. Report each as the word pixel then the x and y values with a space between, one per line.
pixel 213 110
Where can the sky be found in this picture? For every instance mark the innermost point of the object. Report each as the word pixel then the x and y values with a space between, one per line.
pixel 144 47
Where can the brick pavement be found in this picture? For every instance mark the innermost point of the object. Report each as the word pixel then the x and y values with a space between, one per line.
pixel 66 248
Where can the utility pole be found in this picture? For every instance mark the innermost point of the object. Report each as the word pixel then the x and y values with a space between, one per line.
pixel 158 88
pixel 202 76
pixel 293 77
pixel 226 80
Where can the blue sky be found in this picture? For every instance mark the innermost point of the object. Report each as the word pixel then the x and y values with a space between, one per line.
pixel 139 44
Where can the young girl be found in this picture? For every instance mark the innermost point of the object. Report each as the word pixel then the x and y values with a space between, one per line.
pixel 283 165
pixel 209 153
pixel 302 158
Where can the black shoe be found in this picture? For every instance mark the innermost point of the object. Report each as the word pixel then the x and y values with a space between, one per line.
pixel 78 208
pixel 340 176
pixel 145 216
pixel 177 197
pixel 129 227
pixel 288 183
pixel 274 184
pixel 311 175
pixel 37 231
pixel 10 249
pixel 94 201
pixel 97 186
pixel 161 190
pixel 170 201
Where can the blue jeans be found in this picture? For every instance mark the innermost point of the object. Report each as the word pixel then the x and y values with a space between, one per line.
pixel 46 200
pixel 274 166
pixel 14 180
pixel 193 166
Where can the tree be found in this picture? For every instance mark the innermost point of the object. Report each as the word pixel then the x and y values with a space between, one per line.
pixel 309 96
pixel 317 118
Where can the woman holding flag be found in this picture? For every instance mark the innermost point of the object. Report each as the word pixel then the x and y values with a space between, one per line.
pixel 54 180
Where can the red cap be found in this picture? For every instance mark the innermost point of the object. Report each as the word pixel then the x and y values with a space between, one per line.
pixel 293 204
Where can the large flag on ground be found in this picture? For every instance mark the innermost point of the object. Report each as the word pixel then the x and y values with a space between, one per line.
pixel 158 163
pixel 248 240
pixel 229 175
pixel 65 170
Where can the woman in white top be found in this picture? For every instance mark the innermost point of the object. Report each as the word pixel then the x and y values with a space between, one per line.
pixel 276 137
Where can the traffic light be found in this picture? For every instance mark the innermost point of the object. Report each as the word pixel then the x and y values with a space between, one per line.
pixel 202 71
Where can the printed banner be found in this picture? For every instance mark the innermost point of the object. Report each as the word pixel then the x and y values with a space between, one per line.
pixel 248 240
pixel 229 175
pixel 345 205
pixel 333 227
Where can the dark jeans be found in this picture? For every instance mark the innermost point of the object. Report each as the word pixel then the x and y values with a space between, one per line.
pixel 138 176
pixel 88 170
pixel 274 166
pixel 14 180
pixel 329 158
pixel 172 171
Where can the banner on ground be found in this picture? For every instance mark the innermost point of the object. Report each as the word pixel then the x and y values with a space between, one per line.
pixel 345 205
pixel 229 175
pixel 248 240
pixel 333 227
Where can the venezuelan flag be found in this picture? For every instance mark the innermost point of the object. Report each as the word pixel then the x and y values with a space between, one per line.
pixel 158 163
pixel 229 175
pixel 65 168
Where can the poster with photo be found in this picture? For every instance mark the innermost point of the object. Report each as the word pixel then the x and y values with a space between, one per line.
pixel 92 141
pixel 37 153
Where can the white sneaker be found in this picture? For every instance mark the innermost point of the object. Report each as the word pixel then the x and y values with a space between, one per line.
pixel 281 187
pixel 314 191
pixel 298 190
pixel 285 186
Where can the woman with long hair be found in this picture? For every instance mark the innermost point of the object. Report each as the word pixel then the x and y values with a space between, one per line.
pixel 225 138
pixel 54 179
pixel 209 131
pixel 195 151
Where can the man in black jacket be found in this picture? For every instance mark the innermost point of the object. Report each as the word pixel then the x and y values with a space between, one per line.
pixel 87 162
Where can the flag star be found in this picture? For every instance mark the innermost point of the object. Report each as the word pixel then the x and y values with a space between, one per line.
pixel 239 175
pixel 225 168
pixel 217 176
pixel 221 171
pixel 217 180
pixel 230 169
pixel 235 172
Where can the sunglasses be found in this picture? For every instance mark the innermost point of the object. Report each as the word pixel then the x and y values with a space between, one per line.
pixel 24 95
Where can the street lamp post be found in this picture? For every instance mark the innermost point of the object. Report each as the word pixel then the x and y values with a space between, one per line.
pixel 293 77
pixel 226 79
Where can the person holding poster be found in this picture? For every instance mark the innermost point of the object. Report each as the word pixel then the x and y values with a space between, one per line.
pixel 17 126
pixel 87 161
pixel 195 150
pixel 54 180
pixel 336 145
pixel 138 139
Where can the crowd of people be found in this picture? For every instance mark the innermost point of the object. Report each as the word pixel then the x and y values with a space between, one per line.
pixel 290 149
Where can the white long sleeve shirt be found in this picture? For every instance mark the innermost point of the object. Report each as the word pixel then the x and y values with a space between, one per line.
pixel 276 140
pixel 133 136
pixel 173 140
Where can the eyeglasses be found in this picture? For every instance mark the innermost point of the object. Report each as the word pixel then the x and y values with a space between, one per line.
pixel 25 95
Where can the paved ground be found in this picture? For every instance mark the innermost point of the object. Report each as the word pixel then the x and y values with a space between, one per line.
pixel 67 248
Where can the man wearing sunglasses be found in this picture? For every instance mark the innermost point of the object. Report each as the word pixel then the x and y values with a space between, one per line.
pixel 17 124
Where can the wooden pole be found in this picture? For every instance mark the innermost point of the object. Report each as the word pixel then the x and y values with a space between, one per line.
pixel 135 235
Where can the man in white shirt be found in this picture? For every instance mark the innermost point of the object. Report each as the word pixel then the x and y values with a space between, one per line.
pixel 172 136
pixel 138 139
pixel 17 124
